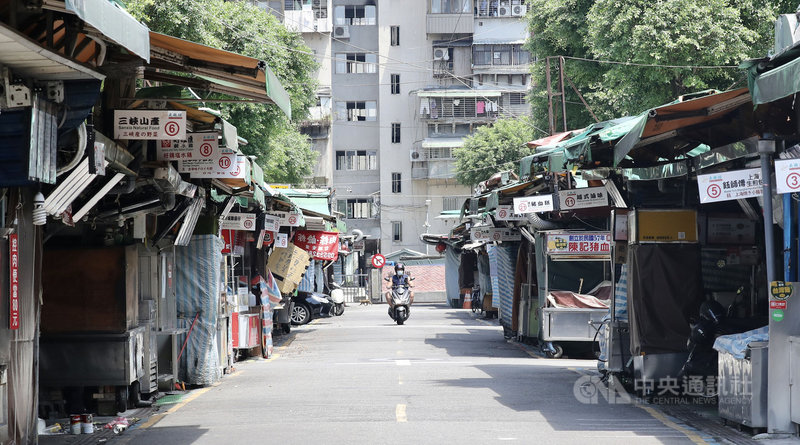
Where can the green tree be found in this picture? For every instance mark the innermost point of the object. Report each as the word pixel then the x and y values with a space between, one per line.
pixel 641 32
pixel 493 148
pixel 245 29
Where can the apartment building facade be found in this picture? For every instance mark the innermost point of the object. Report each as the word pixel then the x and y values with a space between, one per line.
pixel 401 84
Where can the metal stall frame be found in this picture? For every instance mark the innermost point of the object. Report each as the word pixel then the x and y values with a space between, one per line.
pixel 571 324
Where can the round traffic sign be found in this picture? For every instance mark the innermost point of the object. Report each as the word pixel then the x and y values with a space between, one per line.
pixel 378 261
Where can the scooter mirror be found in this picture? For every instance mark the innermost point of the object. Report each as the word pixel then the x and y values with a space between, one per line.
pixel 386 278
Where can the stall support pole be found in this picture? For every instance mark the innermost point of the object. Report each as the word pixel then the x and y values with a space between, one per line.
pixel 778 397
pixel 789 267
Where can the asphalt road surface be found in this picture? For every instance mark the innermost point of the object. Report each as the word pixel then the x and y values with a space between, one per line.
pixel 445 377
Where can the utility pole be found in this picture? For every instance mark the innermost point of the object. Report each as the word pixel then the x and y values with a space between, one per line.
pixel 551 95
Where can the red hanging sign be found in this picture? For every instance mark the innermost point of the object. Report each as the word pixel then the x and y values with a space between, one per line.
pixel 321 245
pixel 13 253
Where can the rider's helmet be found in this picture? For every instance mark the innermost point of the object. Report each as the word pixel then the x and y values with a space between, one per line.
pixel 399 269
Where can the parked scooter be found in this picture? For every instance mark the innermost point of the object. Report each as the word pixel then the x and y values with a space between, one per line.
pixel 401 297
pixel 702 359
pixel 337 298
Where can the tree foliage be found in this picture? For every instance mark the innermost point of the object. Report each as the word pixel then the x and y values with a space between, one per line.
pixel 493 148
pixel 643 32
pixel 283 152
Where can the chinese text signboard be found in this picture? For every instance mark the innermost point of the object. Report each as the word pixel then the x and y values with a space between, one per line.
pixel 239 221
pixel 13 278
pixel 533 204
pixel 149 124
pixel 787 175
pixel 272 223
pixel 321 245
pixel 585 243
pixel 506 213
pixel 583 198
pixel 196 146
pixel 223 166
pixel 728 186
pixel 288 219
pixel 494 234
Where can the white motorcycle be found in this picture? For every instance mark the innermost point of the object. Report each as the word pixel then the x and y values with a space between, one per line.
pixel 401 297
pixel 337 298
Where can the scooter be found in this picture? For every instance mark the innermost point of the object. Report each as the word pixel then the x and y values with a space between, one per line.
pixel 702 360
pixel 337 298
pixel 401 297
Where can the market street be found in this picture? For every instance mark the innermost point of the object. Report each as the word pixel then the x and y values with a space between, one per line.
pixel 445 376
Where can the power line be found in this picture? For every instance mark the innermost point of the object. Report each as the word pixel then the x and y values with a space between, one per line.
pixel 649 65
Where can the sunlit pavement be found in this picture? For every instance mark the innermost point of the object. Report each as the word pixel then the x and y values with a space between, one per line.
pixel 446 376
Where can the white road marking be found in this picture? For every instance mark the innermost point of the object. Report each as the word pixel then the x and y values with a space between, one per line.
pixel 400 413
pixel 403 362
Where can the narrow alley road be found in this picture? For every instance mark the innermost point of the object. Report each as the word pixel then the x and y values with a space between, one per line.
pixel 444 377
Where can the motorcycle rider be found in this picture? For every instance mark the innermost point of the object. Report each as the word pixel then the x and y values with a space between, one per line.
pixel 400 278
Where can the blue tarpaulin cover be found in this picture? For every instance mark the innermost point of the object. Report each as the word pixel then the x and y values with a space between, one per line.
pixel 736 344
pixel 197 281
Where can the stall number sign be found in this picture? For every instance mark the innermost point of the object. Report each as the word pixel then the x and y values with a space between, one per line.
pixel 239 221
pixel 579 243
pixel 506 213
pixel 533 204
pixel 13 278
pixel 196 146
pixel 272 223
pixel 728 186
pixel 583 198
pixel 281 240
pixel 321 245
pixel 223 166
pixel 287 219
pixel 787 176
pixel 150 124
pixel 493 234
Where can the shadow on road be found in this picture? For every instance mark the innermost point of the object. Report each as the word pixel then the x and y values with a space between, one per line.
pixel 164 435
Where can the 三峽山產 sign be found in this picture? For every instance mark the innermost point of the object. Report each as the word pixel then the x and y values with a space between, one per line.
pixel 583 243
pixel 239 221
pixel 196 146
pixel 150 124
pixel 321 245
pixel 728 186
pixel 533 204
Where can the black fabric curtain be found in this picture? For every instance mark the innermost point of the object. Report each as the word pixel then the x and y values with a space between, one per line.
pixel 466 271
pixel 664 290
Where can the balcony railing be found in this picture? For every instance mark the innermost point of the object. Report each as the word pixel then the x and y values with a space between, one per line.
pixel 466 108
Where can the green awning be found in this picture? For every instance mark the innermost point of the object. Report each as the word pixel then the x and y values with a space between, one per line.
pixel 113 21
pixel 776 83
pixel 316 205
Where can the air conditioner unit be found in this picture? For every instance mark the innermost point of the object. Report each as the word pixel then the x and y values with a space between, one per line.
pixel 519 10
pixel 341 32
pixel 416 155
pixel 504 11
pixel 441 54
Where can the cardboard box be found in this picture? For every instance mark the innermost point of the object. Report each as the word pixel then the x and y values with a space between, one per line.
pixel 288 266
pixel 662 226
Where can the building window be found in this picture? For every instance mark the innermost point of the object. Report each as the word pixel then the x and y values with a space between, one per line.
pixel 490 55
pixel 450 6
pixel 395 80
pixel 356 63
pixel 397 231
pixel 396 187
pixel 354 15
pixel 356 160
pixel 356 208
pixel 395 133
pixel 357 111
pixel 395 33
pixel 516 99
pixel 453 202
pixel 440 153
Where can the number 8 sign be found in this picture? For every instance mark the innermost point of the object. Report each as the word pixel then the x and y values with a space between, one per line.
pixel 787 175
